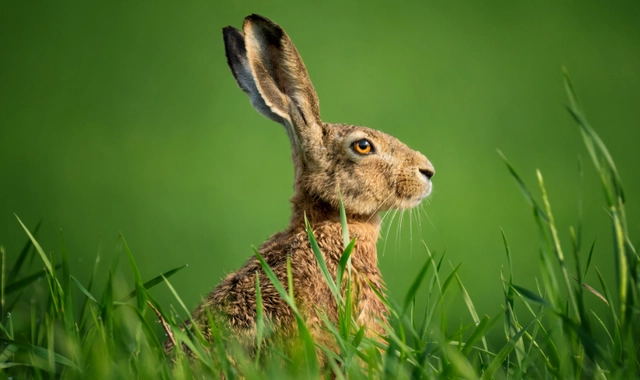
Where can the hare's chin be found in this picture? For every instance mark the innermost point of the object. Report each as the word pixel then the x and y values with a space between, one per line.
pixel 406 204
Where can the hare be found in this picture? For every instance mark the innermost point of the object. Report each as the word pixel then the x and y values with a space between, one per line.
pixel 373 171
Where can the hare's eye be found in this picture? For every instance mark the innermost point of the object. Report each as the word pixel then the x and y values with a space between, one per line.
pixel 363 146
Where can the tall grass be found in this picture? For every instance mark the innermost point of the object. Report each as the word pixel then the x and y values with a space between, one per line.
pixel 54 326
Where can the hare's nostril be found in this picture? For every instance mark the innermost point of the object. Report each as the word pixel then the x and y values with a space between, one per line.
pixel 427 173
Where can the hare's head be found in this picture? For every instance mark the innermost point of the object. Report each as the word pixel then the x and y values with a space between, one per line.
pixel 372 170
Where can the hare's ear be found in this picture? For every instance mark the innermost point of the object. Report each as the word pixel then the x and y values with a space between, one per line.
pixel 269 69
pixel 236 53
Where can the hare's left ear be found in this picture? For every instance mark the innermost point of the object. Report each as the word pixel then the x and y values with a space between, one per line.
pixel 269 69
pixel 236 53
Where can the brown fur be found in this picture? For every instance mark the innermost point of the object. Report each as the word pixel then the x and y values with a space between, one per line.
pixel 268 68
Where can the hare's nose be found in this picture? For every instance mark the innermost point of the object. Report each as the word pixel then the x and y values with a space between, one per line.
pixel 427 172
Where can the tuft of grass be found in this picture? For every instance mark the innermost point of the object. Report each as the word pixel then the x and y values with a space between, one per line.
pixel 69 331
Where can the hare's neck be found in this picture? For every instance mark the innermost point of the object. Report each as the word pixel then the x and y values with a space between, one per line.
pixel 320 212
pixel 325 220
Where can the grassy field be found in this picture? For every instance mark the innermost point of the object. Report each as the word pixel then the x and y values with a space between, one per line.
pixel 55 326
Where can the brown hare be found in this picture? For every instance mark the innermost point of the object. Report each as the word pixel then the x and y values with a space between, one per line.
pixel 372 171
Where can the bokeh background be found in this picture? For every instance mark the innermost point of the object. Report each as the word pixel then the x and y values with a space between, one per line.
pixel 123 117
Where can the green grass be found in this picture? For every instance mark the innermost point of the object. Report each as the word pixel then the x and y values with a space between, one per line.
pixel 54 326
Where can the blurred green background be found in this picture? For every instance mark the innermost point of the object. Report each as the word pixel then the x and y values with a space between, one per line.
pixel 123 117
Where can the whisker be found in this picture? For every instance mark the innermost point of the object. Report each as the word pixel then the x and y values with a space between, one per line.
pixel 386 238
pixel 396 217
pixel 399 229
pixel 410 232
pixel 381 204
pixel 428 218
pixel 388 220
pixel 418 223
pixel 420 220
pixel 384 216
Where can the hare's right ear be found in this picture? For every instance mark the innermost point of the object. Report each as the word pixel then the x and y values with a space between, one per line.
pixel 269 69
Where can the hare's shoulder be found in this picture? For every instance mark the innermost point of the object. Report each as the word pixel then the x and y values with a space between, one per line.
pixel 235 296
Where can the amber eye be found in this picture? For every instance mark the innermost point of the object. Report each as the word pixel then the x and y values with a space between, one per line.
pixel 362 146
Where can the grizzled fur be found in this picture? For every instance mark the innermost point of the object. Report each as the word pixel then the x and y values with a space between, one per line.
pixel 269 69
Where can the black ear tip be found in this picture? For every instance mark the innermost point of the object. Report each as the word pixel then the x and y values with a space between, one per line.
pixel 257 18
pixel 261 22
pixel 233 39
pixel 229 31
pixel 267 28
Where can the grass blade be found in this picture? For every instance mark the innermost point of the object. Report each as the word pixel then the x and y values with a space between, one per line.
pixel 23 283
pixel 2 280
pixel 480 332
pixel 502 354
pixel 84 290
pixel 154 281
pixel 275 281
pixel 345 261
pixel 259 319
pixel 305 336
pixel 472 311
pixel 343 222
pixel 139 287
pixel 321 262
pixel 23 255
pixel 533 296
pixel 39 249
pixel 525 190
pixel 40 352
pixel 413 289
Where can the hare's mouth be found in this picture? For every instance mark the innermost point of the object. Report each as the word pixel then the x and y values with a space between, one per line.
pixel 428 190
pixel 425 194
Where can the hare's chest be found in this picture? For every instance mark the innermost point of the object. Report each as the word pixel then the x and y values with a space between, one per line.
pixel 369 309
